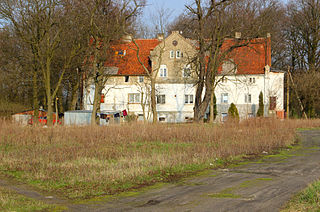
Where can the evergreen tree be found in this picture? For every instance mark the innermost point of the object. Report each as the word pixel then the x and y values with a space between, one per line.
pixel 233 112
pixel 260 112
pixel 215 111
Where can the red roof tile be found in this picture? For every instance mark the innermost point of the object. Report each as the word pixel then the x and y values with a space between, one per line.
pixel 125 57
pixel 250 58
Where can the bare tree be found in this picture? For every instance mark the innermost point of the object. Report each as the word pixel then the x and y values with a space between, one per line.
pixel 108 20
pixel 40 25
pixel 215 22
pixel 160 20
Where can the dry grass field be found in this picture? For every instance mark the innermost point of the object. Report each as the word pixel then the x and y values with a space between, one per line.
pixel 84 162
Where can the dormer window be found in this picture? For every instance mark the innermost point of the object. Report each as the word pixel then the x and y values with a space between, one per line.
pixel 229 67
pixel 163 71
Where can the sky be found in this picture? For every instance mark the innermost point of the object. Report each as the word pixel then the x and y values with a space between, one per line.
pixel 176 5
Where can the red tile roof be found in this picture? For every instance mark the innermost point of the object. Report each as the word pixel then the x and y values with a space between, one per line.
pixel 252 57
pixel 125 56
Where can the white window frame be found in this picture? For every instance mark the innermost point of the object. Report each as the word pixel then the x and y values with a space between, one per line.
pixel 178 54
pixel 134 98
pixel 248 98
pixel 224 98
pixel 171 54
pixel 161 99
pixel 188 99
pixel 163 71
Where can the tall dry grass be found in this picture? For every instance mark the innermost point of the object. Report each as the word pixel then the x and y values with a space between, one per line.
pixel 83 162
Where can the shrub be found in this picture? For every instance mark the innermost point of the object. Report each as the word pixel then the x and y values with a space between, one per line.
pixel 260 112
pixel 233 112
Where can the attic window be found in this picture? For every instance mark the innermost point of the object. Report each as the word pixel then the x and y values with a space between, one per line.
pixel 126 78
pixel 171 54
pixel 178 54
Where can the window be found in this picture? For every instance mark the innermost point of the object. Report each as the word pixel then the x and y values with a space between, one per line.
pixel 188 99
pixel 126 78
pixel 273 103
pixel 162 119
pixel 141 78
pixel 161 99
pixel 224 98
pixel 224 80
pixel 178 54
pixel 171 54
pixel 247 98
pixel 134 97
pixel 163 72
pixel 252 80
pixel 187 71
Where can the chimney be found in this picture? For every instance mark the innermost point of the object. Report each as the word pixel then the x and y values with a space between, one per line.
pixel 238 35
pixel 268 35
pixel 175 32
pixel 160 36
pixel 126 38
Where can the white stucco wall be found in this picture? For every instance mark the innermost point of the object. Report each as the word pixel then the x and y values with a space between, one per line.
pixel 176 110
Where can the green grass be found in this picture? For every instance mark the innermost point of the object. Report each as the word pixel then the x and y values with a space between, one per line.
pixel 11 201
pixel 307 200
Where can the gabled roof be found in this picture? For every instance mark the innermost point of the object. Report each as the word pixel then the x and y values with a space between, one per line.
pixel 125 56
pixel 251 57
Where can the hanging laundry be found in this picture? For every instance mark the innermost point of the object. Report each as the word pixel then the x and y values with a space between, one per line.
pixel 124 113
pixel 116 115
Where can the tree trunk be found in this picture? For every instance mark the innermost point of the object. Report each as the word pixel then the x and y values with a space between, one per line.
pixel 60 100
pixel 211 108
pixel 48 93
pixel 96 104
pixel 153 101
pixel 200 110
pixel 35 98
pixel 74 98
pixel 49 112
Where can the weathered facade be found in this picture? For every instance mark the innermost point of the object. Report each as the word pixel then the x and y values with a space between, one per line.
pixel 170 59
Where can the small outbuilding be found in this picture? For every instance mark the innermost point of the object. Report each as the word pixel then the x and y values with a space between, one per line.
pixel 83 117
